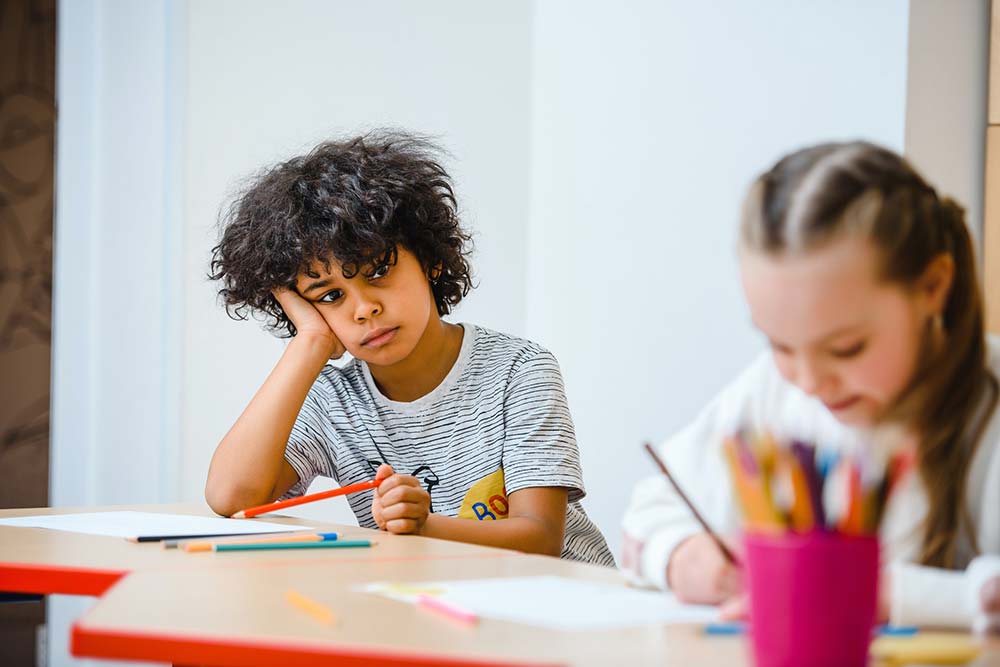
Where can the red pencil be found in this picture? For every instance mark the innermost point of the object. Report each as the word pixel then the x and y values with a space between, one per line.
pixel 291 502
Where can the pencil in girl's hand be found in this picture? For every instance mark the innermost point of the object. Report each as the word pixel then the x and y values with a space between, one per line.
pixel 729 555
pixel 312 497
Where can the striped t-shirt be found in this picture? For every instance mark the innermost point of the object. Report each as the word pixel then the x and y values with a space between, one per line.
pixel 499 422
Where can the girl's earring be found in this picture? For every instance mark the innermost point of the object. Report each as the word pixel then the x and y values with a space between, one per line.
pixel 938 323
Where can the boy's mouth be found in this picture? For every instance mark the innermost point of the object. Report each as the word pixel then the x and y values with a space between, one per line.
pixel 379 337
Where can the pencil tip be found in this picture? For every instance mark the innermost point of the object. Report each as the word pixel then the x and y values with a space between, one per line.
pixel 239 515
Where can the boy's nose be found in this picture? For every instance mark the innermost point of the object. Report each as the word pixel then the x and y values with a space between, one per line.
pixel 367 310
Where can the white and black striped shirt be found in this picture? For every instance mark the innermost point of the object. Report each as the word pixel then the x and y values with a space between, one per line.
pixel 499 422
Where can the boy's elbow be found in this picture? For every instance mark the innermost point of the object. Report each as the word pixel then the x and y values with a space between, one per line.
pixel 553 549
pixel 226 500
pixel 220 502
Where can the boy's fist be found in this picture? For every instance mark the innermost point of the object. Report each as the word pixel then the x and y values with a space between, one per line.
pixel 400 504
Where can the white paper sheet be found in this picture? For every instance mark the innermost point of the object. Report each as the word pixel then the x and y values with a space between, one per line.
pixel 553 602
pixel 134 524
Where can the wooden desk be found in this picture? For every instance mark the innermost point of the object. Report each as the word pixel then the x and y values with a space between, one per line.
pixel 229 609
pixel 41 561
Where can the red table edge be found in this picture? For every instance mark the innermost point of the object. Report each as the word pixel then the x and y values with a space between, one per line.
pixel 91 642
pixel 45 579
pixel 49 579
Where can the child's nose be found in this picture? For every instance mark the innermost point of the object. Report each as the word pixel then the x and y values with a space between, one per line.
pixel 366 310
pixel 809 376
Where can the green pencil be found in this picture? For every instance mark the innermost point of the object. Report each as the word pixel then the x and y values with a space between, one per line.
pixel 263 546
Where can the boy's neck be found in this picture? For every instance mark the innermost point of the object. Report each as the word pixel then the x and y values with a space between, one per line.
pixel 424 368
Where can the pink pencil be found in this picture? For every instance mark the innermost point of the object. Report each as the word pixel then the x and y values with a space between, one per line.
pixel 446 608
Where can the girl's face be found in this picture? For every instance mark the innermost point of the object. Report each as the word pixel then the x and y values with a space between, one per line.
pixel 381 313
pixel 836 330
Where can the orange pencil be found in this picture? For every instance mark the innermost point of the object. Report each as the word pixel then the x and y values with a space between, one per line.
pixel 312 497
pixel 852 523
pixel 801 515
pixel 757 506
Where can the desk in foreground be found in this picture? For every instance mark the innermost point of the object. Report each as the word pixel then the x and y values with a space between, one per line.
pixel 43 561
pixel 240 617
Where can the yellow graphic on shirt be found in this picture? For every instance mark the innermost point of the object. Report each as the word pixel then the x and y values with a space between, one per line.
pixel 486 500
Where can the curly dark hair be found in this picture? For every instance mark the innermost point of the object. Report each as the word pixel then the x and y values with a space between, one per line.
pixel 355 201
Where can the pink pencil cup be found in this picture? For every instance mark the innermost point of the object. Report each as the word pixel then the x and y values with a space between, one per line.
pixel 813 598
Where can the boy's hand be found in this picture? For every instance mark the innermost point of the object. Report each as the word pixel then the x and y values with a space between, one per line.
pixel 400 505
pixel 307 320
pixel 699 574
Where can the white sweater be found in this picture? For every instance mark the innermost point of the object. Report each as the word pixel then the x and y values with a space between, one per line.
pixel 657 521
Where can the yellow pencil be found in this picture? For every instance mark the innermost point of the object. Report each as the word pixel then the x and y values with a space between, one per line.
pixel 317 610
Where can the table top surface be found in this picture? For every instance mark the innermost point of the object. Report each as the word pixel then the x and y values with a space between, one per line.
pixel 230 608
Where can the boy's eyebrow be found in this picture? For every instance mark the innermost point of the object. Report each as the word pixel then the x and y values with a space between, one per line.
pixel 316 285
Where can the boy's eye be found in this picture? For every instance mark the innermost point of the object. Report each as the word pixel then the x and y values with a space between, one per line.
pixel 378 272
pixel 331 296
pixel 850 351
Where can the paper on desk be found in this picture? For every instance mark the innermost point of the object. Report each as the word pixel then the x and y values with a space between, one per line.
pixel 135 524
pixel 554 602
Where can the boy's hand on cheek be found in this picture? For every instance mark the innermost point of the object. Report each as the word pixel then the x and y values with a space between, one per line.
pixel 307 320
pixel 400 504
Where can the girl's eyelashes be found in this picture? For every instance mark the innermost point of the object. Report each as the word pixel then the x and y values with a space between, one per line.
pixel 331 296
pixel 850 351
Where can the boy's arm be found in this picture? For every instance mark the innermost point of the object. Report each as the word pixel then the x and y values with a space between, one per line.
pixel 535 524
pixel 249 466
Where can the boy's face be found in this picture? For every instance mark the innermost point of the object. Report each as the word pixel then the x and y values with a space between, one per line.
pixel 380 314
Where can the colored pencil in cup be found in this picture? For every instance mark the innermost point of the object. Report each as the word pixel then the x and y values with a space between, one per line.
pixel 312 497
pixel 729 555
pixel 207 545
pixel 447 609
pixel 267 546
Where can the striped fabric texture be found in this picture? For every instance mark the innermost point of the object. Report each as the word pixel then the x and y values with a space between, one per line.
pixel 499 422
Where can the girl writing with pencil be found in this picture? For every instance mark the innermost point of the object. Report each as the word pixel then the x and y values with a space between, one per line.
pixel 863 279
pixel 357 248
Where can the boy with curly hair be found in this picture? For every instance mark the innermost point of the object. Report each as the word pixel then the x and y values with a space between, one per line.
pixel 357 247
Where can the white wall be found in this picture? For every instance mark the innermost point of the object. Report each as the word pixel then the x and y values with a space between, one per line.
pixel 650 119
pixel 116 278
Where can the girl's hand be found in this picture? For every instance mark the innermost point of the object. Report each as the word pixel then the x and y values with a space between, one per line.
pixel 989 596
pixel 736 608
pixel 699 574
pixel 400 505
pixel 307 320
